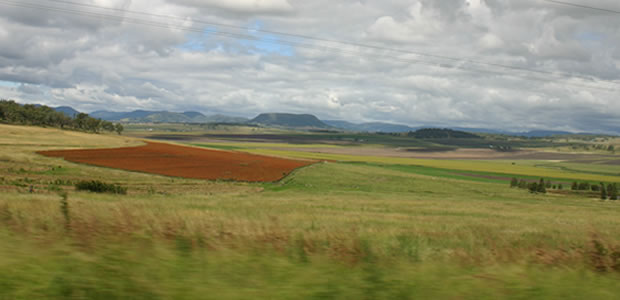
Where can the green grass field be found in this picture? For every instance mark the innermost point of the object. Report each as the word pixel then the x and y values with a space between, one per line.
pixel 371 228
pixel 494 167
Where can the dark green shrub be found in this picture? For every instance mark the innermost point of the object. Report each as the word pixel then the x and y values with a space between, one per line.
pixel 584 186
pixel 514 182
pixel 612 190
pixel 97 186
pixel 541 186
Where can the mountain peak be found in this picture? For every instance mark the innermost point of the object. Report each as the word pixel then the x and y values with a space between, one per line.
pixel 67 110
pixel 193 114
pixel 289 120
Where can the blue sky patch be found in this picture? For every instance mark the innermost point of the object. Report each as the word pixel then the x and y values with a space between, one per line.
pixel 265 43
pixel 590 36
pixel 259 43
pixel 8 83
pixel 196 41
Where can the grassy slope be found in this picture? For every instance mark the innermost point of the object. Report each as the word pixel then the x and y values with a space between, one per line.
pixel 329 231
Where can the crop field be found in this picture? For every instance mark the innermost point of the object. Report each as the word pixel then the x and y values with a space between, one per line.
pixel 187 162
pixel 497 167
pixel 377 228
pixel 473 164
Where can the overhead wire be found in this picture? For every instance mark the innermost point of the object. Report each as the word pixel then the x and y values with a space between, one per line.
pixel 346 43
pixel 583 6
pixel 130 20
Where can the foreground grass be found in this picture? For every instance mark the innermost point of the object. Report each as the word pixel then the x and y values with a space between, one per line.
pixel 329 231
pixel 142 269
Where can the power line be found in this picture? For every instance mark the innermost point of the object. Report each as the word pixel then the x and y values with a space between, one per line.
pixel 124 19
pixel 584 6
pixel 346 43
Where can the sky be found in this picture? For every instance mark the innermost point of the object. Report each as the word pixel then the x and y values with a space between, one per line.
pixel 502 64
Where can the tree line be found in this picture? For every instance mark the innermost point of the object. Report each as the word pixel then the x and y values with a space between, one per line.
pixel 439 133
pixel 535 187
pixel 41 115
pixel 607 191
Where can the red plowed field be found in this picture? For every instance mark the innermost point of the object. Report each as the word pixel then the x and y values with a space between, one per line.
pixel 188 162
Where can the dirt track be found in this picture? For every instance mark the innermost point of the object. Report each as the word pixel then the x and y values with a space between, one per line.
pixel 188 162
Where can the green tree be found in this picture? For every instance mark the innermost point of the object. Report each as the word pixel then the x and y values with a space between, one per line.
pixel 541 186
pixel 119 128
pixel 603 192
pixel 574 186
pixel 108 126
pixel 93 125
pixel 533 187
pixel 80 121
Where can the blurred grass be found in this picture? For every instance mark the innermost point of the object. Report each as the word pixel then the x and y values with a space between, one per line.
pixel 141 269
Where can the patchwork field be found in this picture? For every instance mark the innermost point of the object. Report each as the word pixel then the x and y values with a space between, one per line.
pixel 187 162
pixel 478 163
pixel 372 228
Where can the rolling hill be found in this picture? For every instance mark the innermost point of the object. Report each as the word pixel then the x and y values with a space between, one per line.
pixel 145 116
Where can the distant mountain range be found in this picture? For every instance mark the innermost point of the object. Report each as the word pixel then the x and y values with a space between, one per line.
pixel 544 133
pixel 370 127
pixel 280 120
pixel 145 116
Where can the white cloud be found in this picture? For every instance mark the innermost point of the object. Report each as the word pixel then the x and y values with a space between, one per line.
pixel 243 6
pixel 491 41
pixel 93 64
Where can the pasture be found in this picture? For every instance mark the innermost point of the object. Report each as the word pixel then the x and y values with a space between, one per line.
pixel 355 227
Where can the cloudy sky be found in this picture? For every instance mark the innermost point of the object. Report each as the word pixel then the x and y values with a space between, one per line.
pixel 503 64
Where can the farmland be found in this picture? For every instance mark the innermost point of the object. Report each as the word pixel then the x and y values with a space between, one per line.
pixel 354 227
pixel 187 162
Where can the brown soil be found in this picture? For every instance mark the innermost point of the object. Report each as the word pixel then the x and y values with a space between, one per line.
pixel 188 162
